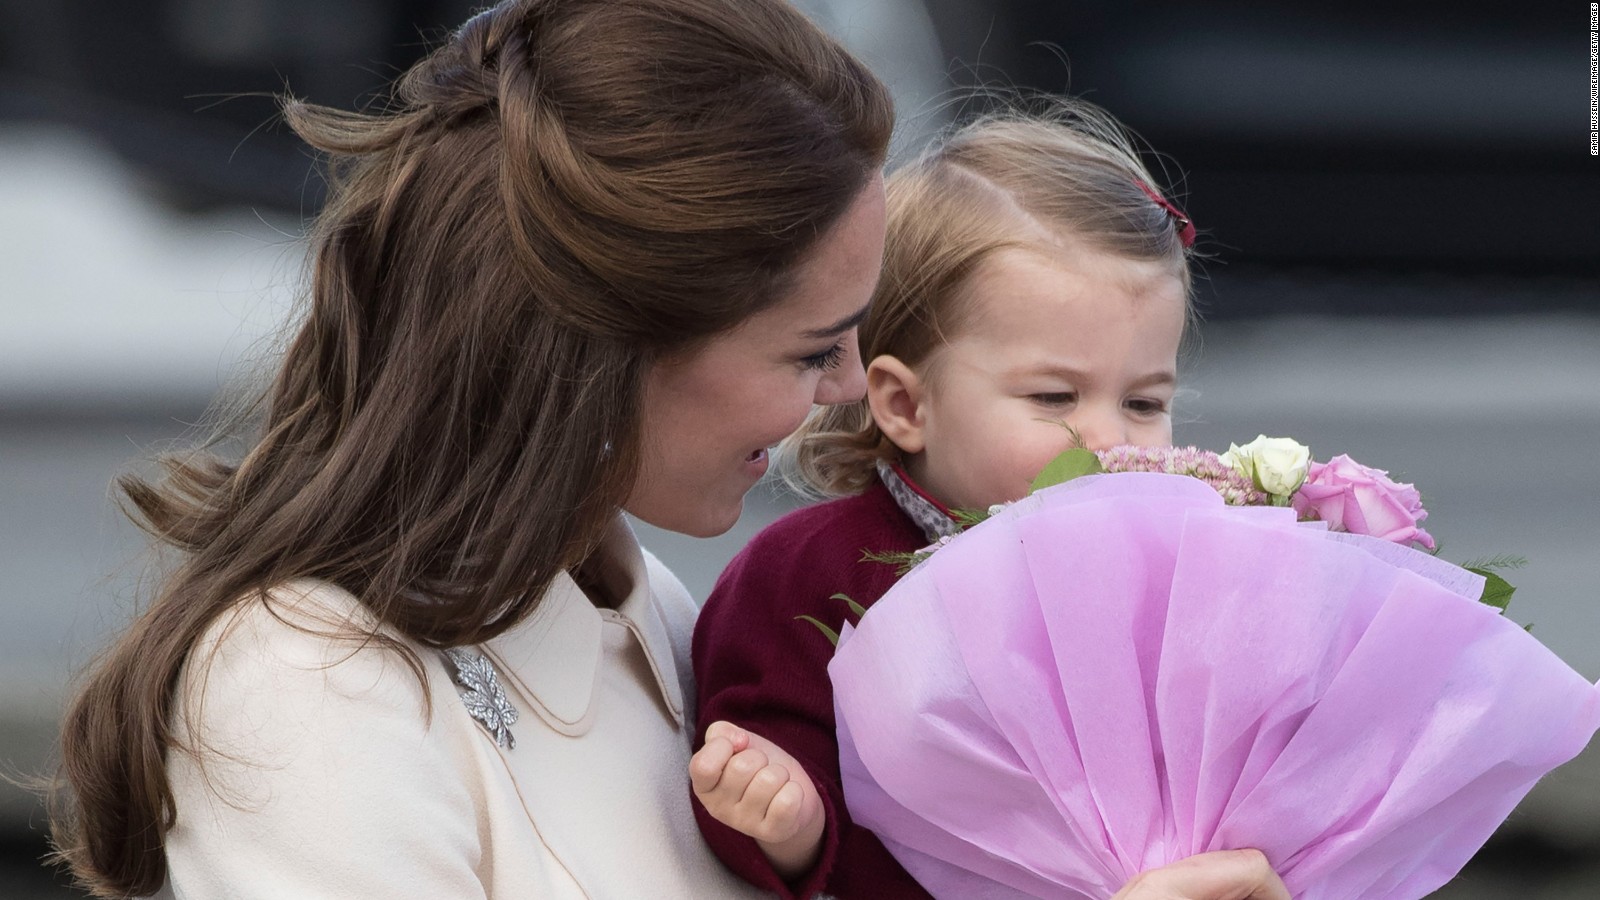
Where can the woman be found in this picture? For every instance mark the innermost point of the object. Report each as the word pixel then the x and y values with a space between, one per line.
pixel 598 255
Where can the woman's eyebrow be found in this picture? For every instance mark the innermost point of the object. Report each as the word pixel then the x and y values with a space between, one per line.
pixel 841 326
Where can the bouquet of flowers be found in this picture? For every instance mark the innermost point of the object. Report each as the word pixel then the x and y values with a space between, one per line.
pixel 1164 652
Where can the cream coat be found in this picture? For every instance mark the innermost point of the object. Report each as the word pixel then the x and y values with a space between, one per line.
pixel 330 779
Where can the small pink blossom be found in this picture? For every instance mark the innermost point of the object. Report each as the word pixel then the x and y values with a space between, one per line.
pixel 1362 500
pixel 1236 489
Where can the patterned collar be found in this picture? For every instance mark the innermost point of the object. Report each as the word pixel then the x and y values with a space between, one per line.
pixel 927 513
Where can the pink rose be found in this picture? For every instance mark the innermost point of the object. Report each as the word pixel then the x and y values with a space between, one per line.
pixel 1361 500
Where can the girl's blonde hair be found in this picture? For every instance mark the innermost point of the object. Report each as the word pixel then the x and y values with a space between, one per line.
pixel 1070 171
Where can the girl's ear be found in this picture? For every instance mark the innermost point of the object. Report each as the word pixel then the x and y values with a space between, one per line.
pixel 895 396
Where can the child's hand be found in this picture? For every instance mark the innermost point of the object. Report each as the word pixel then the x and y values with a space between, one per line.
pixel 751 785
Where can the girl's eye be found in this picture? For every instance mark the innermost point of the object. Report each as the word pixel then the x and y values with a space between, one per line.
pixel 1145 406
pixel 1063 398
pixel 826 360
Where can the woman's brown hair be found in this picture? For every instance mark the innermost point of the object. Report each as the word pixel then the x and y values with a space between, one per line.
pixel 1059 168
pixel 561 194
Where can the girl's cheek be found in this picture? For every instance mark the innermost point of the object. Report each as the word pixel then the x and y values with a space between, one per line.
pixel 1026 467
pixel 1156 434
pixel 1058 438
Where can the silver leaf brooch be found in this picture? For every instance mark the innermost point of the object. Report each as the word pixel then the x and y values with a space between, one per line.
pixel 480 690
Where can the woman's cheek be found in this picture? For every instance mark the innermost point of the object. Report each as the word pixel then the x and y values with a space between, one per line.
pixel 781 405
pixel 801 401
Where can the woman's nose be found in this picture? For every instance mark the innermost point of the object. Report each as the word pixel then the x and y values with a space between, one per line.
pixel 845 384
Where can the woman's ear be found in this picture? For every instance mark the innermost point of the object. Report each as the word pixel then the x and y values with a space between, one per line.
pixel 895 396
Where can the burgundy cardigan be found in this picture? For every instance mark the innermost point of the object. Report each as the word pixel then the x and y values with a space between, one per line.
pixel 759 667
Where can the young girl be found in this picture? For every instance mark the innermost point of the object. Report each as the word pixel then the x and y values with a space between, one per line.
pixel 1034 277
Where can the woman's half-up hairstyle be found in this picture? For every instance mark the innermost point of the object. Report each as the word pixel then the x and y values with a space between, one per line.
pixel 562 194
pixel 1054 171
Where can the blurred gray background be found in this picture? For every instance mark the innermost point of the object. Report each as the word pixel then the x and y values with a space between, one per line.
pixel 1398 203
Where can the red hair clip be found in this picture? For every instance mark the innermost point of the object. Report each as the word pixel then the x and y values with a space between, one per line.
pixel 1185 226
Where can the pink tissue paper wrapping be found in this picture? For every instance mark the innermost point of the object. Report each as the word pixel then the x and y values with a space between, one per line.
pixel 1121 671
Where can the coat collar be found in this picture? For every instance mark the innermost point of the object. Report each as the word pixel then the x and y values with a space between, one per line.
pixel 933 517
pixel 553 659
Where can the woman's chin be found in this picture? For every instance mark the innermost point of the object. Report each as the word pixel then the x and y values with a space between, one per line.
pixel 713 523
pixel 704 520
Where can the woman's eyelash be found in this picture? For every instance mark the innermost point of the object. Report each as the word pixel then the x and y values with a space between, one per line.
pixel 827 359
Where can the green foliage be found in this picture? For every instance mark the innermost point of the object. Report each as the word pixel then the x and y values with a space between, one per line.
pixel 829 633
pixel 902 562
pixel 855 607
pixel 1072 464
pixel 1503 561
pixel 966 518
pixel 1496 590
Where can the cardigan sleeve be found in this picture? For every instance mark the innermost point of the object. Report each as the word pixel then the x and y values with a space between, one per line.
pixel 762 668
pixel 321 772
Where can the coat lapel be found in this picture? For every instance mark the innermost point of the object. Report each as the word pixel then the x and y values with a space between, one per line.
pixel 641 612
pixel 552 660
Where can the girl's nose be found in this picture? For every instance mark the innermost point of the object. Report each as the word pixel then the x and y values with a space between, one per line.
pixel 1101 428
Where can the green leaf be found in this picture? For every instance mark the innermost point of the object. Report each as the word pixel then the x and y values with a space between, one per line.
pixel 1496 590
pixel 829 633
pixel 1069 465
pixel 855 607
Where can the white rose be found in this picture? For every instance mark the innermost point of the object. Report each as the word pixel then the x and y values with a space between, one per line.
pixel 1277 466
